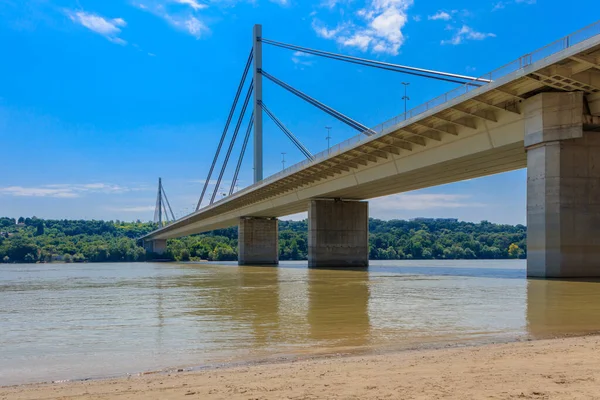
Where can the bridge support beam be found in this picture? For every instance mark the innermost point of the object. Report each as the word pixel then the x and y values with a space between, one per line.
pixel 563 188
pixel 158 246
pixel 338 233
pixel 258 241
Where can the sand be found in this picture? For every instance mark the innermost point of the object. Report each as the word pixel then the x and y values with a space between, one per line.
pixel 546 369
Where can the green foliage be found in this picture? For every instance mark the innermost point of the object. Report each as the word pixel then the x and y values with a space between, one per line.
pixel 444 239
pixel 37 240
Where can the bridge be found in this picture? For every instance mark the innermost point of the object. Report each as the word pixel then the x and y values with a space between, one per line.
pixel 541 111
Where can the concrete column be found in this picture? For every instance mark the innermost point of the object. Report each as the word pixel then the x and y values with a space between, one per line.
pixel 258 241
pixel 563 188
pixel 158 246
pixel 338 233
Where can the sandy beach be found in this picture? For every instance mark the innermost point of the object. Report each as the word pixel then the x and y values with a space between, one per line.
pixel 566 368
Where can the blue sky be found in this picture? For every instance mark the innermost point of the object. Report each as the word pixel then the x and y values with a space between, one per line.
pixel 100 98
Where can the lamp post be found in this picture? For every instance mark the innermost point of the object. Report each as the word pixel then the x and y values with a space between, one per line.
pixel 282 161
pixel 405 97
pixel 328 138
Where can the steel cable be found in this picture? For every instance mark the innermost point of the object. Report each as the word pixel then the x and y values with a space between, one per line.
pixel 224 134
pixel 425 73
pixel 287 132
pixel 233 138
pixel 347 120
pixel 242 153
pixel 168 205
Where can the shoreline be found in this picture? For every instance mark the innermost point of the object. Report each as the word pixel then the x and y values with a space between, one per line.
pixel 290 357
pixel 518 369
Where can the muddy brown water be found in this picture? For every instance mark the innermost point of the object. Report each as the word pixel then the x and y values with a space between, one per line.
pixel 78 321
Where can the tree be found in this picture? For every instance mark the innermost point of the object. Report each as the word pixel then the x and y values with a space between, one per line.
pixel 6 222
pixel 107 241
pixel 514 251
pixel 40 228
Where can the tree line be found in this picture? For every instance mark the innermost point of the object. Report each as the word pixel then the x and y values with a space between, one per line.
pixel 29 240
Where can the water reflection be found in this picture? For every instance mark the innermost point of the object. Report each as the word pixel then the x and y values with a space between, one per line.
pixel 557 307
pixel 257 302
pixel 339 306
pixel 242 301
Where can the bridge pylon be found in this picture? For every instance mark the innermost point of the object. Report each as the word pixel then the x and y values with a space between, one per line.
pixel 163 214
pixel 258 120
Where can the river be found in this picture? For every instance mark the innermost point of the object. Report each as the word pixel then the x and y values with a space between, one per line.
pixel 78 321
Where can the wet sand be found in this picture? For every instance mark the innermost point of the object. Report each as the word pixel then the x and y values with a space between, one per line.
pixel 566 368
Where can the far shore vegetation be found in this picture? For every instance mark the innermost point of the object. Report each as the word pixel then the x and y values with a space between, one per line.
pixel 31 240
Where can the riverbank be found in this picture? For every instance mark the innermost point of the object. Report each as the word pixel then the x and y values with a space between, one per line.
pixel 547 369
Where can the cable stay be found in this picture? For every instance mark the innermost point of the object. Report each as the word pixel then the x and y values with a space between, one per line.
pixel 347 120
pixel 233 138
pixel 425 73
pixel 168 204
pixel 287 132
pixel 160 209
pixel 229 118
pixel 242 153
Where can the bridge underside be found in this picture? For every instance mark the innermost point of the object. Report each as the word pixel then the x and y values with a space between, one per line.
pixel 348 186
pixel 485 131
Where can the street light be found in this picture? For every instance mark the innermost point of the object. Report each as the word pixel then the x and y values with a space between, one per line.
pixel 405 97
pixel 283 161
pixel 328 138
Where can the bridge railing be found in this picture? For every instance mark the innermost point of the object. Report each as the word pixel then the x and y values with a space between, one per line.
pixel 522 62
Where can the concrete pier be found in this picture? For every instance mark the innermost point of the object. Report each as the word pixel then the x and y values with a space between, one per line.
pixel 258 241
pixel 338 233
pixel 158 246
pixel 563 188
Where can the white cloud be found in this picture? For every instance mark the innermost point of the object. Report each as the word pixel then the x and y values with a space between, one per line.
pixel 186 21
pixel 440 15
pixel 65 190
pixel 467 33
pixel 359 40
pixel 502 4
pixel 377 27
pixel 331 3
pixel 132 209
pixel 19 191
pixel 499 5
pixel 325 32
pixel 418 202
pixel 192 3
pixel 300 58
pixel 109 28
pixel 192 25
pixel 186 15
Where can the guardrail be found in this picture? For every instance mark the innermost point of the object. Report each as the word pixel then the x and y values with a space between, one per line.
pixel 522 62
